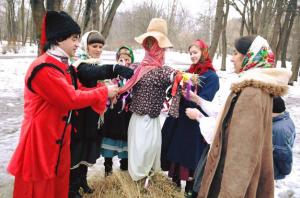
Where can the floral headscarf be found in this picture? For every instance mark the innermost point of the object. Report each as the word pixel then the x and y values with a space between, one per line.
pixel 259 55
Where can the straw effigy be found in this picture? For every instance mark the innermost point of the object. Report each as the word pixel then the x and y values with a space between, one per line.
pixel 120 185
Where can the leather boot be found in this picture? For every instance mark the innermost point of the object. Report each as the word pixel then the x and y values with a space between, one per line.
pixel 83 180
pixel 108 166
pixel 124 164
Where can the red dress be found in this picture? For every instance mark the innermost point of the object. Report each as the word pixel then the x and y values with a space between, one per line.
pixel 34 160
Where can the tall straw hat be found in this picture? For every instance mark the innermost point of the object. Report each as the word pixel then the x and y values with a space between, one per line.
pixel 158 29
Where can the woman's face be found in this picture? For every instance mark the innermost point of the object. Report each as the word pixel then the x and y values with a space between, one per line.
pixel 124 60
pixel 195 54
pixel 237 60
pixel 95 50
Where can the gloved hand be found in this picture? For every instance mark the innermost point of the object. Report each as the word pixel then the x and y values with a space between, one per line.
pixel 123 71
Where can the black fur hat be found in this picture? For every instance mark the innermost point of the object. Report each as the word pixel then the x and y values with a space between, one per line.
pixel 60 25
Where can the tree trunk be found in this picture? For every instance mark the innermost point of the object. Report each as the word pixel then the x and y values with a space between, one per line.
pixel 26 28
pixel 53 5
pixel 11 25
pixel 296 54
pixel 96 15
pixel 292 9
pixel 224 39
pixel 23 23
pixel 267 16
pixel 79 10
pixel 257 17
pixel 87 14
pixel 38 12
pixel 217 30
pixel 110 17
pixel 284 33
pixel 70 8
pixel 277 26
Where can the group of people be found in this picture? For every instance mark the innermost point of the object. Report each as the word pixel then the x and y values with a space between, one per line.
pixel 77 109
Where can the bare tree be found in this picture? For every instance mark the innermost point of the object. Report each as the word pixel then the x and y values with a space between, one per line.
pixel 277 26
pixel 242 13
pixel 110 17
pixel 53 5
pixel 87 13
pixel 38 12
pixel 217 30
pixel 79 10
pixel 11 23
pixel 296 54
pixel 287 27
pixel 70 7
pixel 96 15
pixel 224 39
pixel 23 23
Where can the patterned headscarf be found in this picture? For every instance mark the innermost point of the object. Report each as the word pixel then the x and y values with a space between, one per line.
pixel 154 58
pixel 259 55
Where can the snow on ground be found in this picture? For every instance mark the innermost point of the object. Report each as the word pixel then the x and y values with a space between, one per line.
pixel 12 73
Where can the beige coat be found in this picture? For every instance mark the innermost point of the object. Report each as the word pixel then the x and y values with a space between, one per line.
pixel 240 161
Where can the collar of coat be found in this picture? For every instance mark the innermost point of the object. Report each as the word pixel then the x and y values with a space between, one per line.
pixel 271 80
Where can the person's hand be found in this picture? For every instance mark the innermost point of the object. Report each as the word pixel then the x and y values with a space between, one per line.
pixel 112 91
pixel 113 100
pixel 193 96
pixel 123 71
pixel 193 113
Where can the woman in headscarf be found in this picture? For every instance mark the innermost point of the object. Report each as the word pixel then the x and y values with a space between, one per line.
pixel 86 136
pixel 148 85
pixel 116 120
pixel 182 143
pixel 240 160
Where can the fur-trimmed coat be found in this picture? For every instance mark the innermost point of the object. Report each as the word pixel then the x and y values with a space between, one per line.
pixel 240 161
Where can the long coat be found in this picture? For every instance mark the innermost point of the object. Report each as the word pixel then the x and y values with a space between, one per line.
pixel 86 142
pixel 45 111
pixel 240 162
pixel 181 135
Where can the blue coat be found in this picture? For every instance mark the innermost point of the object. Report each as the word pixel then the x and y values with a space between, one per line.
pixel 182 142
pixel 283 140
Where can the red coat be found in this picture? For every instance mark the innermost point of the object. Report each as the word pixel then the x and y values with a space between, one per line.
pixel 36 155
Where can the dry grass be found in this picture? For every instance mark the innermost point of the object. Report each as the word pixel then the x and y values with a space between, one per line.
pixel 120 185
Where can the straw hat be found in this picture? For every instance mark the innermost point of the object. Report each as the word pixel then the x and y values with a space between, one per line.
pixel 158 29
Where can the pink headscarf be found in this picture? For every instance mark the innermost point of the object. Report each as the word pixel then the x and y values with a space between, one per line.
pixel 154 58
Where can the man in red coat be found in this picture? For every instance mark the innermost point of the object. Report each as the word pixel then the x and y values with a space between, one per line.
pixel 41 161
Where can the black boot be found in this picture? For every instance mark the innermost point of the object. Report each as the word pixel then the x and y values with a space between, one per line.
pixel 74 183
pixel 124 164
pixel 84 184
pixel 188 188
pixel 108 166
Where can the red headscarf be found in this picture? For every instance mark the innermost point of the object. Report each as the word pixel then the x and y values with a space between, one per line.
pixel 204 63
pixel 154 58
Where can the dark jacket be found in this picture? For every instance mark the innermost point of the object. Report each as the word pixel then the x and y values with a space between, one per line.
pixel 283 140
pixel 86 139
